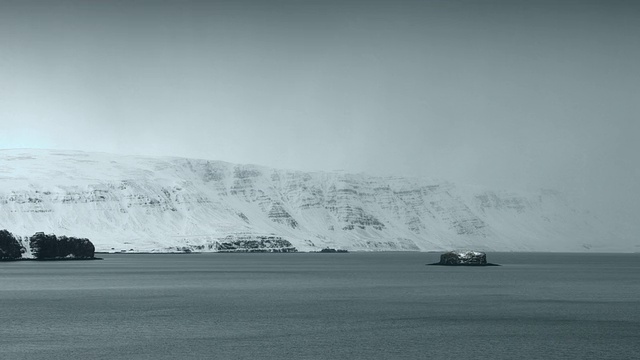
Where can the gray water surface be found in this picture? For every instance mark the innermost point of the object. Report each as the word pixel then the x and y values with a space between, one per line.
pixel 321 306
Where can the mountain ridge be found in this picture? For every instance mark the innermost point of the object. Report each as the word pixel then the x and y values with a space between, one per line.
pixel 145 203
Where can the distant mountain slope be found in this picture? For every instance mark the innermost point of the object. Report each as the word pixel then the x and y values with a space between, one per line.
pixel 145 203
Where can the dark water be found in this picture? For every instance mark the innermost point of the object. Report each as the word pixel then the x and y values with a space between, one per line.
pixel 321 306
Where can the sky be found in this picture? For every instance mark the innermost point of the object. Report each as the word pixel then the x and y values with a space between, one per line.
pixel 504 94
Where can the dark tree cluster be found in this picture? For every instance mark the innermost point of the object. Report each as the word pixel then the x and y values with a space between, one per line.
pixel 49 247
pixel 10 247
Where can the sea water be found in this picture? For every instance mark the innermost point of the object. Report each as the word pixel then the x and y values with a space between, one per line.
pixel 321 306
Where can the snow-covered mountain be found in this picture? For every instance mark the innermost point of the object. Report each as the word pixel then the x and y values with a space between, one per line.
pixel 157 204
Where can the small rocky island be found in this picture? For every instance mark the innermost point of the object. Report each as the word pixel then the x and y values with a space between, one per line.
pixel 464 258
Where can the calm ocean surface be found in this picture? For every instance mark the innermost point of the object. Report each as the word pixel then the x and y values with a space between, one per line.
pixel 321 306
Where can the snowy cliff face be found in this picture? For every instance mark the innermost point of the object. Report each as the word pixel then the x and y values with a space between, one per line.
pixel 148 204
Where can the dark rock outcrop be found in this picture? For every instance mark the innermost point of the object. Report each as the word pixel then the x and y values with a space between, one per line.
pixel 259 244
pixel 464 258
pixel 332 250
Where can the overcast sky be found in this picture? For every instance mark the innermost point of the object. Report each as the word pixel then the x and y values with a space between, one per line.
pixel 508 94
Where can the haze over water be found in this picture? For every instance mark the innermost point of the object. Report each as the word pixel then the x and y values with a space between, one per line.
pixel 321 306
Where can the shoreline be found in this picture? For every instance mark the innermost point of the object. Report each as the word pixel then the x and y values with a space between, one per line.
pixel 63 259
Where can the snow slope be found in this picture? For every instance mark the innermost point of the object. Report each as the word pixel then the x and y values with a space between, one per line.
pixel 158 204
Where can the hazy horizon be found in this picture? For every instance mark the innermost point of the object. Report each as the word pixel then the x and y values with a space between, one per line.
pixel 503 94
